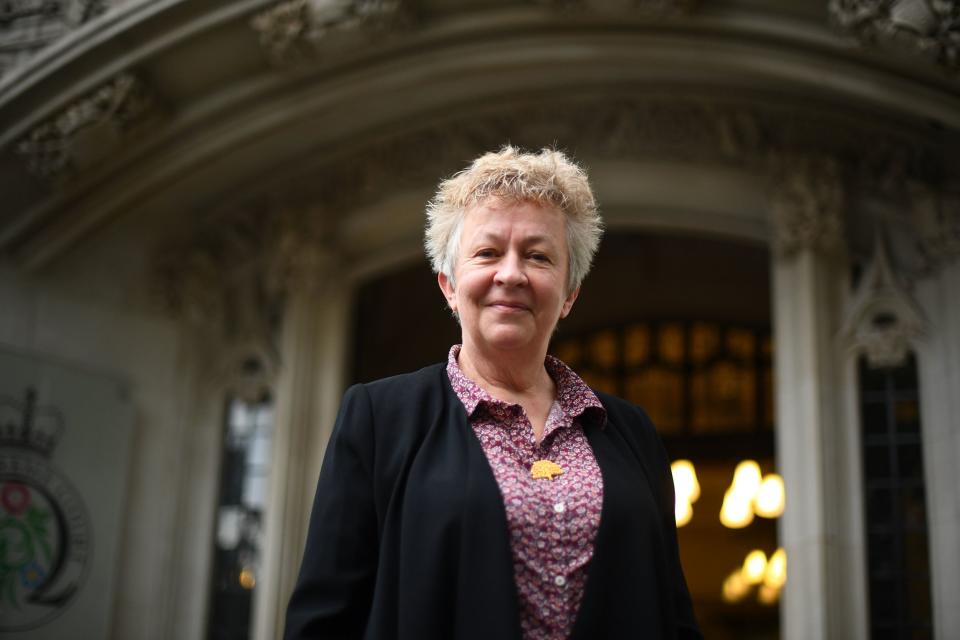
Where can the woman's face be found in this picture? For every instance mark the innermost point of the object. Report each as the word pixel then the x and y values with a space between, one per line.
pixel 511 275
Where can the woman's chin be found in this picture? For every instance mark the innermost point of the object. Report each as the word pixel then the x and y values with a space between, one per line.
pixel 509 339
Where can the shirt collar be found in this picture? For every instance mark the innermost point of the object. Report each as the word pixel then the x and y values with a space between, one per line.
pixel 575 398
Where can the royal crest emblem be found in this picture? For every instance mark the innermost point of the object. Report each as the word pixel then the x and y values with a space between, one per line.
pixel 45 541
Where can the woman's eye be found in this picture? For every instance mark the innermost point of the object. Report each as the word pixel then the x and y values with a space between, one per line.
pixel 486 253
pixel 540 257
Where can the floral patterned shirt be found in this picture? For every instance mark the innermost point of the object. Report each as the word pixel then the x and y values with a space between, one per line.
pixel 552 522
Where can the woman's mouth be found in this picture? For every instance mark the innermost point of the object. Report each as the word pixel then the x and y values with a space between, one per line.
pixel 507 306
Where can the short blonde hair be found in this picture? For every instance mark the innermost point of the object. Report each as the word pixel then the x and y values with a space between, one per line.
pixel 548 178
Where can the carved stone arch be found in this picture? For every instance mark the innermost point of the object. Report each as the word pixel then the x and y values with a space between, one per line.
pixel 882 320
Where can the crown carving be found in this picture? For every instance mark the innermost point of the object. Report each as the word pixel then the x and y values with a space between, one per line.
pixel 24 425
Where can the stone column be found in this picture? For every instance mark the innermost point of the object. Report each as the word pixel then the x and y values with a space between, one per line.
pixel 310 383
pixel 227 349
pixel 812 442
pixel 939 373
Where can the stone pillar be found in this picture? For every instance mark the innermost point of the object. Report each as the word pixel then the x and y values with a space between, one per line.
pixel 310 383
pixel 812 441
pixel 227 349
pixel 939 373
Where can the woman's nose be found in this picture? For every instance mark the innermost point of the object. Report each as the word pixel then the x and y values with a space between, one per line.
pixel 510 271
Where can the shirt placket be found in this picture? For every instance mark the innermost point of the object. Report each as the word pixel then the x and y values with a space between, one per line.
pixel 551 497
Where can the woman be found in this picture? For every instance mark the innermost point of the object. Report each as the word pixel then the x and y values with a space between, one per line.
pixel 495 496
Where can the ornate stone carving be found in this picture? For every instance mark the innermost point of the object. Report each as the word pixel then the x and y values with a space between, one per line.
pixel 189 283
pixel 928 27
pixel 300 255
pixel 807 200
pixel 808 193
pixel 231 279
pixel 51 148
pixel 882 319
pixel 27 26
pixel 668 128
pixel 295 28
pixel 936 218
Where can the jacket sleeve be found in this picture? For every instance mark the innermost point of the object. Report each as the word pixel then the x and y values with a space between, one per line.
pixel 333 594
pixel 686 623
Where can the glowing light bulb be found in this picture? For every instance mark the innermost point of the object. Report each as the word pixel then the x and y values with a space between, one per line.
pixel 754 567
pixel 746 478
pixel 736 511
pixel 682 511
pixel 734 587
pixel 767 595
pixel 685 480
pixel 247 579
pixel 769 501
pixel 776 574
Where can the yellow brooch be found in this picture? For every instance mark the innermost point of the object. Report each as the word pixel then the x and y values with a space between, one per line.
pixel 545 469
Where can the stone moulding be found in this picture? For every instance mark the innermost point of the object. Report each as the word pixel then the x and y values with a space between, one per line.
pixel 930 28
pixel 810 189
pixel 51 147
pixel 650 7
pixel 294 29
pixel 27 26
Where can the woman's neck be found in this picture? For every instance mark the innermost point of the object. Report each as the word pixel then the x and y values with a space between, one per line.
pixel 506 376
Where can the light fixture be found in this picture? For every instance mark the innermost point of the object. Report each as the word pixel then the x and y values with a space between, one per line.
pixel 682 511
pixel 754 567
pixel 734 587
pixel 768 574
pixel 754 493
pixel 746 478
pixel 769 501
pixel 767 595
pixel 685 480
pixel 737 511
pixel 686 490
pixel 776 574
pixel 247 579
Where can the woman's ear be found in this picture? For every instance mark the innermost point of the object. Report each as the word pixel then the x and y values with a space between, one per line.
pixel 446 286
pixel 568 303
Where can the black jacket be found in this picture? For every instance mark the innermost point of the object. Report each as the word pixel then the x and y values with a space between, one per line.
pixel 408 536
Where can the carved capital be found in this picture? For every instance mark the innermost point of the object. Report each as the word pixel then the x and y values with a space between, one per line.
pixel 232 280
pixel 807 201
pixel 245 261
pixel 300 254
pixel 78 131
pixel 930 28
pixel 189 283
pixel 936 218
pixel 882 319
pixel 294 29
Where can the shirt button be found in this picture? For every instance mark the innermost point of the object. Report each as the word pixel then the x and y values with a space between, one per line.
pixel 560 581
pixel 559 507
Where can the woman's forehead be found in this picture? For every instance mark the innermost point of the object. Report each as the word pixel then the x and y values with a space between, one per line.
pixel 487 216
pixel 528 230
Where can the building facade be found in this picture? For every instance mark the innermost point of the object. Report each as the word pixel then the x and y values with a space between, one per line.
pixel 217 204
